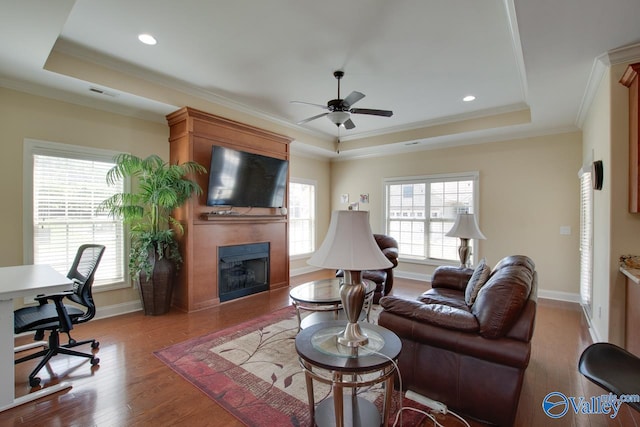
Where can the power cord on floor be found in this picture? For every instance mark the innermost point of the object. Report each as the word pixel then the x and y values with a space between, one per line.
pixel 408 408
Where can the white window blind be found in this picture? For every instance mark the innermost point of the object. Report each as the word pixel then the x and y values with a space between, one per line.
pixel 586 241
pixel 67 190
pixel 420 211
pixel 302 195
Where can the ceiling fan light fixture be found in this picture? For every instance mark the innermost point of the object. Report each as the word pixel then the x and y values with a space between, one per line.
pixel 338 117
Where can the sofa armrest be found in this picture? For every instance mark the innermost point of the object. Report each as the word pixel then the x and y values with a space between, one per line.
pixel 440 315
pixel 451 277
pixel 392 255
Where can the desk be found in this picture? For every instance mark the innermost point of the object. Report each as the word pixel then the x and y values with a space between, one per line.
pixel 18 282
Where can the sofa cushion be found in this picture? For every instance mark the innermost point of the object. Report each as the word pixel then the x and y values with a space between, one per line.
pixel 444 296
pixel 500 301
pixel 478 279
pixel 439 315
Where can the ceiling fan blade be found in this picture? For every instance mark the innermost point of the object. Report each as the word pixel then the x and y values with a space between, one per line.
pixel 312 118
pixel 309 103
pixel 349 124
pixel 352 99
pixel 385 113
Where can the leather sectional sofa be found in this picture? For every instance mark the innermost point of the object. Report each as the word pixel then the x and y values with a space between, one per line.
pixel 470 357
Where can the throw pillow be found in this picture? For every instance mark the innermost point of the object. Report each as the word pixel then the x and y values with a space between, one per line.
pixel 478 278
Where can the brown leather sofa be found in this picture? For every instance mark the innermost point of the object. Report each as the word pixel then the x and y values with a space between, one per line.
pixel 382 278
pixel 471 358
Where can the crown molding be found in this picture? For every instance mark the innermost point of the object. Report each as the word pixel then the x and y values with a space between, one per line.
pixel 601 63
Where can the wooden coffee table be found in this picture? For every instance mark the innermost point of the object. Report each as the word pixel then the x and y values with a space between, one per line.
pixel 322 298
pixel 324 360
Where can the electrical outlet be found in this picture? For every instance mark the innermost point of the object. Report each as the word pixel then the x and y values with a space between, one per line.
pixel 424 400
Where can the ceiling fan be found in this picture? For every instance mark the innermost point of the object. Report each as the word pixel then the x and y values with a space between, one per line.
pixel 339 110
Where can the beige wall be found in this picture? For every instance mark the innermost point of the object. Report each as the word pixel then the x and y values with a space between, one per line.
pixel 318 170
pixel 27 116
pixel 529 188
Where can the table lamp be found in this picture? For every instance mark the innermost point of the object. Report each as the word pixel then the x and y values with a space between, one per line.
pixel 465 228
pixel 349 245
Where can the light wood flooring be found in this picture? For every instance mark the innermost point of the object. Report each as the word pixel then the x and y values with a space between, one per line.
pixel 131 387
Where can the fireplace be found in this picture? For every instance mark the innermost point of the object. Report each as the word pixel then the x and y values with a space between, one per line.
pixel 242 270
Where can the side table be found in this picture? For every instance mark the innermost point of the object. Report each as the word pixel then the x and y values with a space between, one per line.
pixel 322 297
pixel 328 362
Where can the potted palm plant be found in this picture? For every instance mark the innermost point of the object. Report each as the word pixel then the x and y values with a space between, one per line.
pixel 155 255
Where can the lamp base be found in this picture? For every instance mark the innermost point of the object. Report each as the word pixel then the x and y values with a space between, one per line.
pixel 352 295
pixel 352 336
pixel 464 250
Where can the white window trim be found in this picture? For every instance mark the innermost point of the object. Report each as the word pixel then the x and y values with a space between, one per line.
pixel 315 214
pixel 32 147
pixel 468 176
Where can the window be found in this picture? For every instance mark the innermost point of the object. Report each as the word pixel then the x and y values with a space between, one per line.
pixel 64 185
pixel 586 240
pixel 421 210
pixel 302 217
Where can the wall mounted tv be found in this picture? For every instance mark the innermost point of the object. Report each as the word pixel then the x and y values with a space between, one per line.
pixel 238 178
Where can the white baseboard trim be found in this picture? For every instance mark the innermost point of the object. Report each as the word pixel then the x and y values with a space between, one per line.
pixel 118 309
pixel 559 296
pixel 413 276
pixel 303 270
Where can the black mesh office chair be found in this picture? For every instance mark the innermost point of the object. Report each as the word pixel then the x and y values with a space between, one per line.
pixel 59 317
pixel 612 368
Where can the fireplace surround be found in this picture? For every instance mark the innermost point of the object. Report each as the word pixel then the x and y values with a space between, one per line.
pixel 192 133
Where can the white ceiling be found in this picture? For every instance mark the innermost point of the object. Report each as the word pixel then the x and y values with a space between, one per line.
pixel 415 57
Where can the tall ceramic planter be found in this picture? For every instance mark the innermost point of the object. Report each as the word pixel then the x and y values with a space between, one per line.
pixel 156 291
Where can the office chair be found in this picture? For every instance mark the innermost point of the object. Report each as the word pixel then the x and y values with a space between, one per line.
pixel 612 368
pixel 59 317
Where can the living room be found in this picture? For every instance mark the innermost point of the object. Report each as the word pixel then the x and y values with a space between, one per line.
pixel 528 184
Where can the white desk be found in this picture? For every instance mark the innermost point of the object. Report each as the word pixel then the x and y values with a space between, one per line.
pixel 17 282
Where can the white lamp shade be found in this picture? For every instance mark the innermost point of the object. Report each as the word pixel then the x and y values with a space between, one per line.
pixel 466 227
pixel 349 244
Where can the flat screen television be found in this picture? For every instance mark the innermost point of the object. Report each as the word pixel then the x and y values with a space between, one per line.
pixel 238 178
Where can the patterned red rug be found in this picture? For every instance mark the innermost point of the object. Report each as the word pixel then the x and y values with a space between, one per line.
pixel 252 370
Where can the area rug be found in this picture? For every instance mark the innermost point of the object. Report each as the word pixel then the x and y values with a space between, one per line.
pixel 252 370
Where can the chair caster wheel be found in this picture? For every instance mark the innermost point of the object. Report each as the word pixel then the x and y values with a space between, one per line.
pixel 95 361
pixel 34 382
pixel 95 344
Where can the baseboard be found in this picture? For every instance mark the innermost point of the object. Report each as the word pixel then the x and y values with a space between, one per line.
pixel 412 276
pixel 117 309
pixel 303 270
pixel 559 296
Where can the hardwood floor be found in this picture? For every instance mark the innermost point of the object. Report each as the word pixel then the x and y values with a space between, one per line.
pixel 131 387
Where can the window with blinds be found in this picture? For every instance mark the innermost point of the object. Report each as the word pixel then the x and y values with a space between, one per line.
pixel 302 196
pixel 420 212
pixel 586 241
pixel 67 186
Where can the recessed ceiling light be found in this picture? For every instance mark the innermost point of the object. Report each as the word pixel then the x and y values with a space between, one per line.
pixel 147 39
pixel 469 98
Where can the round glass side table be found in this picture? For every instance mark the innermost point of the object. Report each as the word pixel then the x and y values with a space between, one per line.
pixel 323 359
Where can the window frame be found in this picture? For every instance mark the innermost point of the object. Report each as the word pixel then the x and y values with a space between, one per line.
pixel 314 236
pixel 32 147
pixel 473 176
